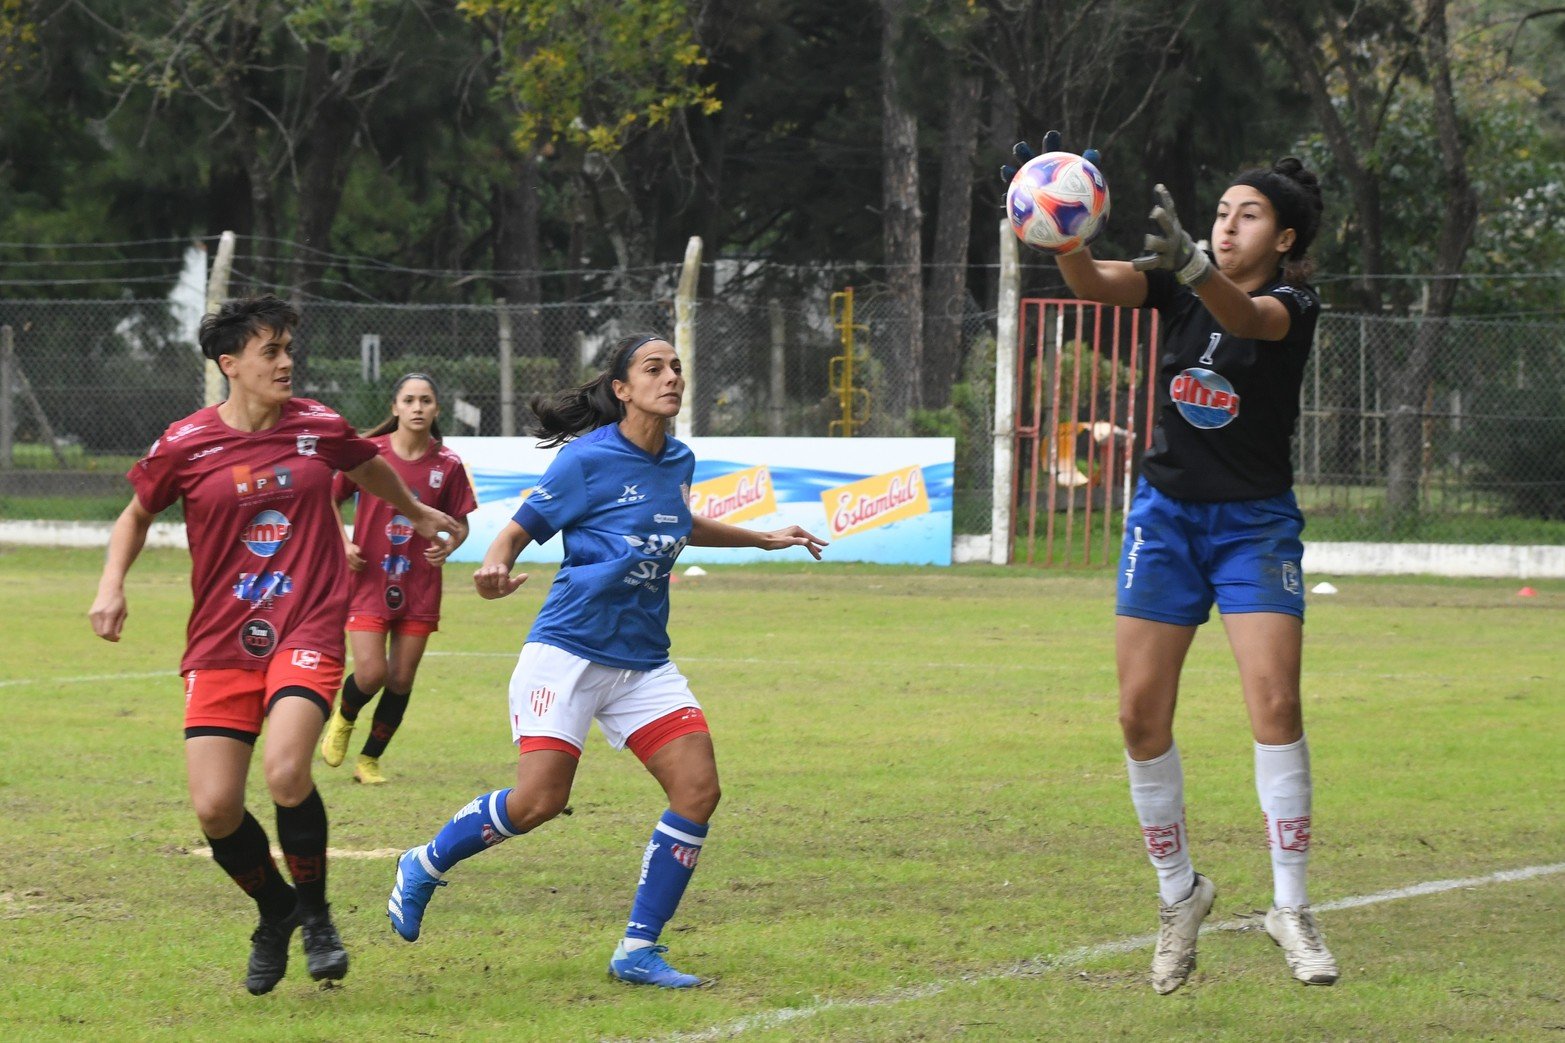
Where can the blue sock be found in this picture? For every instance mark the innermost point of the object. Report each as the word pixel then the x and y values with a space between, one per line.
pixel 665 870
pixel 481 824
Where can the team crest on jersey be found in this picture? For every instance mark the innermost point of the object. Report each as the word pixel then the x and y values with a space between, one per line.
pixel 437 478
pixel 305 444
pixel 257 637
pixel 1204 398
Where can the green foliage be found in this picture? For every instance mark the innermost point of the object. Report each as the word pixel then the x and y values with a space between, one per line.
pixel 592 72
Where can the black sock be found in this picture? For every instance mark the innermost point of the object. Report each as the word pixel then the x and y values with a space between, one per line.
pixel 354 698
pixel 302 833
pixel 246 856
pixel 388 717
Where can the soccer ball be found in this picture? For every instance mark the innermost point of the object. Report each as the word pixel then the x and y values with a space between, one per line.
pixel 1058 202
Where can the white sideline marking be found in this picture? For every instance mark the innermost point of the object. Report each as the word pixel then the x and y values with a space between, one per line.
pixel 331 852
pixel 87 678
pixel 772 1019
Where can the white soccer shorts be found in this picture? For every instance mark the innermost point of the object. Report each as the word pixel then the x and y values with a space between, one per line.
pixel 557 694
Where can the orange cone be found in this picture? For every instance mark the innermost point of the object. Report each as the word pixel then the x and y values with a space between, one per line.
pixel 1526 592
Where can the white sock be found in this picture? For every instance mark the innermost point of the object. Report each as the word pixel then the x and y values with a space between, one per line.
pixel 1282 781
pixel 1157 789
pixel 632 944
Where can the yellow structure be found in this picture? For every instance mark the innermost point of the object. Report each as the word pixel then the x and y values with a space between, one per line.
pixel 852 399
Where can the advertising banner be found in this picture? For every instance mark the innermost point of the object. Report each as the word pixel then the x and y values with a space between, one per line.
pixel 885 500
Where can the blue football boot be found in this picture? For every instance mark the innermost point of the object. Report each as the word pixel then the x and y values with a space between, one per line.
pixel 415 883
pixel 646 966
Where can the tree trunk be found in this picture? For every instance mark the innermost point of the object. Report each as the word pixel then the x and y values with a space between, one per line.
pixel 1405 424
pixel 326 152
pixel 902 229
pixel 947 292
pixel 515 216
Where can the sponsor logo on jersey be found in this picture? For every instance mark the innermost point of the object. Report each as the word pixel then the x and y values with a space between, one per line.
pixel 249 483
pixel 257 637
pixel 1162 841
pixel 539 492
pixel 540 699
pixel 266 533
pixel 1204 398
pixel 437 478
pixel 875 501
pixel 685 855
pixel 666 519
pixel 394 597
pixel 206 452
pixel 316 409
pixel 1290 578
pixel 305 444
pixel 658 544
pixel 399 530
pixel 396 565
pixel 261 589
pixel 306 659
pixel 631 495
pixel 184 432
pixel 734 497
pixel 1305 301
pixel 1291 834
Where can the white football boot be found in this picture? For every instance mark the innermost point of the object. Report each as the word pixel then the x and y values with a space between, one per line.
pixel 1178 925
pixel 1295 931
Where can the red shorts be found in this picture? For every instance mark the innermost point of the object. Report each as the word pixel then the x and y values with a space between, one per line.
pixel 226 702
pixel 643 742
pixel 380 625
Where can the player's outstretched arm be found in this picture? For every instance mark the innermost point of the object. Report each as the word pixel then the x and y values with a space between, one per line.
pixel 493 578
pixel 704 532
pixel 125 542
pixel 377 477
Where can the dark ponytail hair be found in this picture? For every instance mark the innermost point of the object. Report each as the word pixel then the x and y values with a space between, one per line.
pixel 1294 192
pixel 587 407
pixel 389 424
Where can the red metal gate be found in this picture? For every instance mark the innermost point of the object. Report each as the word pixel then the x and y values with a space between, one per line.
pixel 1077 434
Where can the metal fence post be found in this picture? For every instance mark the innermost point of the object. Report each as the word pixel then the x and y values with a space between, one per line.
pixel 777 408
pixel 1002 513
pixel 7 389
pixel 507 372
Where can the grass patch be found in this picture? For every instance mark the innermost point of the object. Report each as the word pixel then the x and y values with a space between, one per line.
pixel 923 784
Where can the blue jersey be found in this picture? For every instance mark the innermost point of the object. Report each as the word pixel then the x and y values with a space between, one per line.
pixel 625 516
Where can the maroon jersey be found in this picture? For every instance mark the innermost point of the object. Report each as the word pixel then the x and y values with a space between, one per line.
pixel 267 562
pixel 397 581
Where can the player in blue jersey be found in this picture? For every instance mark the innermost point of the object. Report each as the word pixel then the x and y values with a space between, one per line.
pixel 619 493
pixel 1214 521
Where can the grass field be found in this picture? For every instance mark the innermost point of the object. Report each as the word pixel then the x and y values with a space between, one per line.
pixel 925 832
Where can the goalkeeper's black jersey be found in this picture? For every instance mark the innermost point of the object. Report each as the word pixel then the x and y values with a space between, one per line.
pixel 1226 406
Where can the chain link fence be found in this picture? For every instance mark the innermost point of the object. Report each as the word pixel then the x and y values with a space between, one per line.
pixel 1451 429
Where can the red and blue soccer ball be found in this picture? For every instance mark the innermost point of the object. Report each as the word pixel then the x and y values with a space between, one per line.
pixel 1058 202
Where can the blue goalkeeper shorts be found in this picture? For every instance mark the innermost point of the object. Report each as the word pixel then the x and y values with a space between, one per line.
pixel 1182 556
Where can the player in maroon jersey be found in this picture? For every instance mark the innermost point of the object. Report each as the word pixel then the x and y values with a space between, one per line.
pixel 264 642
pixel 396 586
